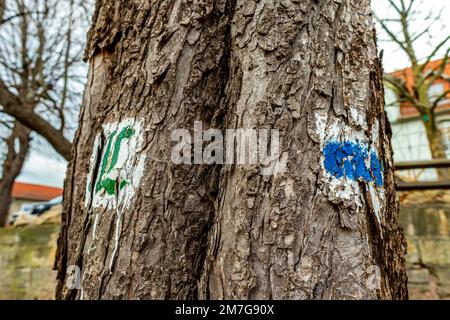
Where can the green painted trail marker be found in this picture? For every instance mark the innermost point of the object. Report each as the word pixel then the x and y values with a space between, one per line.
pixel 110 158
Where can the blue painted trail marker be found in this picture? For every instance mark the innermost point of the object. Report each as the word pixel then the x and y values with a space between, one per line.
pixel 349 159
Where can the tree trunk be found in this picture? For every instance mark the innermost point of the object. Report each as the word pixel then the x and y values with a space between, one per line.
pixel 138 225
pixel 18 144
pixel 2 10
pixel 437 147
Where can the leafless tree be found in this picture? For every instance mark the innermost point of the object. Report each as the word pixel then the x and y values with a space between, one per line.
pixel 398 29
pixel 41 45
pixel 17 146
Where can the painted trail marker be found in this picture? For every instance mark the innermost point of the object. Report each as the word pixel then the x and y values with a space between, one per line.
pixel 109 162
pixel 117 165
pixel 354 161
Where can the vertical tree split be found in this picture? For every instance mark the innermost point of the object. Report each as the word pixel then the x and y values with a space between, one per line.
pixel 140 226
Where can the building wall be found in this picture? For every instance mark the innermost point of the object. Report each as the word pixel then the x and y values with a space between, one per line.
pixel 26 261
pixel 17 204
pixel 409 140
pixel 427 230
pixel 27 255
pixel 437 88
pixel 410 143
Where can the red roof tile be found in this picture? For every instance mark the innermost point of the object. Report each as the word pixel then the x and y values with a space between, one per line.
pixel 35 192
pixel 406 108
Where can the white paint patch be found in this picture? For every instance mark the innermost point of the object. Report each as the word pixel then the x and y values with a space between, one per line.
pixel 128 169
pixel 377 195
pixel 357 117
pixel 375 134
pixel 321 125
pixel 94 230
pixel 340 190
pixel 375 202
pixel 345 190
pixel 116 168
pixel 117 232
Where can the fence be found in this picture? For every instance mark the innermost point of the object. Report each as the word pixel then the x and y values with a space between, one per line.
pixel 423 185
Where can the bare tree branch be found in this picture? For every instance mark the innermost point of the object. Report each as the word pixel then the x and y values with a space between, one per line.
pixel 440 98
pixel 432 55
pixel 41 46
pixel 439 71
pixel 391 35
pixel 402 91
pixel 12 106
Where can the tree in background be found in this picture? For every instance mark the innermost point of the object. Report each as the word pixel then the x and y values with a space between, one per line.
pixel 17 145
pixel 40 74
pixel 399 30
pixel 137 225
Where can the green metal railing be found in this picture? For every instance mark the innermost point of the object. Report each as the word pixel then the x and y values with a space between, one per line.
pixel 425 185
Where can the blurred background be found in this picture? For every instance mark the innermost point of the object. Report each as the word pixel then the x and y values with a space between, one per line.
pixel 42 77
pixel 414 38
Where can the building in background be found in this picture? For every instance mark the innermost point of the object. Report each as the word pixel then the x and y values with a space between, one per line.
pixel 409 139
pixel 25 193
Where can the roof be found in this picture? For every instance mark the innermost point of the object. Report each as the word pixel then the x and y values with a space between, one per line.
pixel 34 192
pixel 407 109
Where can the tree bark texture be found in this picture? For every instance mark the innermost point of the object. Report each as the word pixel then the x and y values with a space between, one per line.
pixel 306 68
pixel 17 144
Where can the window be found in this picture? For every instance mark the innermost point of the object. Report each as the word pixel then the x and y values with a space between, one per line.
pixel 444 126
pixel 435 91
pixel 392 106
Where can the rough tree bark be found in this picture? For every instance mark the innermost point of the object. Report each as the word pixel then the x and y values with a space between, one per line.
pixel 17 144
pixel 140 226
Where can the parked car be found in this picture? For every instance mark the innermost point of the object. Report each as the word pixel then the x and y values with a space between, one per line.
pixel 35 209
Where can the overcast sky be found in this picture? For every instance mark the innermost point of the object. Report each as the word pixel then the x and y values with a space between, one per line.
pixel 41 169
pixel 44 167
pixel 394 58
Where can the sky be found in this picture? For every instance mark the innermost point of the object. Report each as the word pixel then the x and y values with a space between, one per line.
pixel 43 166
pixel 394 58
pixel 41 169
